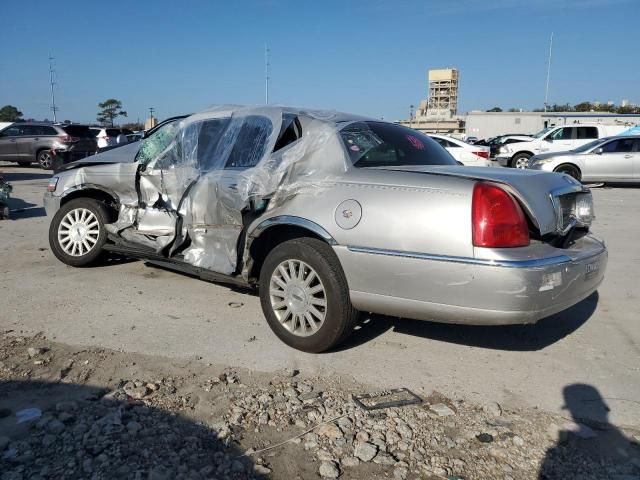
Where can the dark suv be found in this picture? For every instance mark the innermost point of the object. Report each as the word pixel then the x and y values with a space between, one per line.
pixel 45 143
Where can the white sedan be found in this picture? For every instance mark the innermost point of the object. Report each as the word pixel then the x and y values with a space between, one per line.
pixel 469 155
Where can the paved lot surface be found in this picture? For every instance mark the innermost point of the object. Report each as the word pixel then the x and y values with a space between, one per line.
pixel 137 308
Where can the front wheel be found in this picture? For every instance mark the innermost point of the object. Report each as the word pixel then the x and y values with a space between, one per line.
pixel 77 233
pixel 305 297
pixel 570 170
pixel 521 161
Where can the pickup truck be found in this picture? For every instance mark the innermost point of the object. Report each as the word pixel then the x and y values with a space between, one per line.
pixel 561 138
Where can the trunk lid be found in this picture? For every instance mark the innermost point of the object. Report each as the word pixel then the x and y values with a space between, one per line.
pixel 548 198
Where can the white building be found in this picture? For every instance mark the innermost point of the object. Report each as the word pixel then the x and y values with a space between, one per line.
pixel 490 124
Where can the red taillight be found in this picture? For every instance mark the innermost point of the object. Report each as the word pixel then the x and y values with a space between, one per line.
pixel 482 154
pixel 496 218
pixel 68 139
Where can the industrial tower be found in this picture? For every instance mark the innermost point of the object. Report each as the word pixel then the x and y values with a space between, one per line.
pixel 442 101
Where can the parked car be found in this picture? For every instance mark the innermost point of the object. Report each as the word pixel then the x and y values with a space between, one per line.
pixel 554 139
pixel 468 155
pixel 496 143
pixel 328 214
pixel 472 140
pixel 126 153
pixel 108 137
pixel 45 143
pixel 611 159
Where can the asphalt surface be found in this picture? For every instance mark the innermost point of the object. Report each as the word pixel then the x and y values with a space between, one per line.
pixel 133 307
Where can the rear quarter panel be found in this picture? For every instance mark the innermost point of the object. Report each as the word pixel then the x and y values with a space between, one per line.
pixel 402 211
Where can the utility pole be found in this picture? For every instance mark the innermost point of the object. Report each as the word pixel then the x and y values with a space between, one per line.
pixel 546 91
pixel 267 73
pixel 54 109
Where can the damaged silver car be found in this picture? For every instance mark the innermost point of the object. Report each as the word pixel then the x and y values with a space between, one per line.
pixel 329 214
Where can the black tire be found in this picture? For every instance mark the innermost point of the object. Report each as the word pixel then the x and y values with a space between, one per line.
pixel 519 157
pixel 101 214
pixel 340 316
pixel 570 170
pixel 44 159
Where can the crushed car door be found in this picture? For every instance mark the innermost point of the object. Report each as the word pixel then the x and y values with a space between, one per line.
pixel 231 181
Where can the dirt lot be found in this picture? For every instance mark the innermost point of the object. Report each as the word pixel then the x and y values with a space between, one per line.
pixel 579 360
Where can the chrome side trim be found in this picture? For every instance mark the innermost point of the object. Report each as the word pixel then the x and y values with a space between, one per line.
pixel 292 220
pixel 540 262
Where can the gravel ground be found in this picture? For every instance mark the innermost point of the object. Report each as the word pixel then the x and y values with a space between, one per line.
pixel 108 414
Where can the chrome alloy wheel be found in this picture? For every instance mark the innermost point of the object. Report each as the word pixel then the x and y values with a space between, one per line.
pixel 298 297
pixel 45 160
pixel 522 163
pixel 78 232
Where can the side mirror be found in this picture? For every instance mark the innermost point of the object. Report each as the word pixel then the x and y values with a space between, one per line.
pixel 548 139
pixel 598 151
pixel 460 163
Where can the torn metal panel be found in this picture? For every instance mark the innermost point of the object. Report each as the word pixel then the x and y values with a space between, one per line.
pixel 201 176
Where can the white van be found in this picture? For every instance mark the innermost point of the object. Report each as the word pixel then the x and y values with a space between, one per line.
pixel 560 138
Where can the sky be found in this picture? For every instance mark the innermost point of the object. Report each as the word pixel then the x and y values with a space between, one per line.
pixel 366 57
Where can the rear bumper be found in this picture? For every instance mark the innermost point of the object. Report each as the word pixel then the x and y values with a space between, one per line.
pixel 471 291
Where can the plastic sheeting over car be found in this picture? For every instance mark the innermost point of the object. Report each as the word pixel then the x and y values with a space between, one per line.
pixel 200 182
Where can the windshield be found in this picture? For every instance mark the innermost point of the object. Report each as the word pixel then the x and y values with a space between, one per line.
pixel 379 144
pixel 542 132
pixel 590 145
pixel 157 142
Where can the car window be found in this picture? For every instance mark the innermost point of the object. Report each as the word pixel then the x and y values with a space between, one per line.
pixel 290 131
pixel 30 130
pixel 562 134
pixel 378 144
pixel 78 131
pixel 211 131
pixel 113 132
pixel 250 142
pixel 588 146
pixel 587 133
pixel 156 143
pixel 636 144
pixel 44 130
pixel 12 131
pixel 623 145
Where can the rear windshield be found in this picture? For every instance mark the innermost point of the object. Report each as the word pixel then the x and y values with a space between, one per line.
pixel 379 144
pixel 78 131
pixel 113 132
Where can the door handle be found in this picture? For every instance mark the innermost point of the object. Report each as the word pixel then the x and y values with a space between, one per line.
pixel 628 156
pixel 13 140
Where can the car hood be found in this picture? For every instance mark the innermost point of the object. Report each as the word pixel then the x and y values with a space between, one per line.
pixel 122 154
pixel 533 188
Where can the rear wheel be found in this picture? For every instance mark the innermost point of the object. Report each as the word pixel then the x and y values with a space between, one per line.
pixel 305 297
pixel 45 159
pixel 521 160
pixel 77 233
pixel 570 170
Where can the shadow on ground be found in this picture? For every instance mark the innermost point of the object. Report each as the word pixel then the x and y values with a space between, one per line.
pixel 20 209
pixel 83 434
pixel 509 337
pixel 585 446
pixel 10 176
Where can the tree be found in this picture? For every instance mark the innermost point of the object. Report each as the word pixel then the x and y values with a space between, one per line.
pixel 111 109
pixel 583 107
pixel 9 113
pixel 495 109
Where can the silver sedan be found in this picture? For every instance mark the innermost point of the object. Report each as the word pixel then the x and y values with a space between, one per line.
pixel 611 159
pixel 328 214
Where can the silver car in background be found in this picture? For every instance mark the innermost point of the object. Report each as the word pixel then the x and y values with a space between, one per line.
pixel 610 159
pixel 328 214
